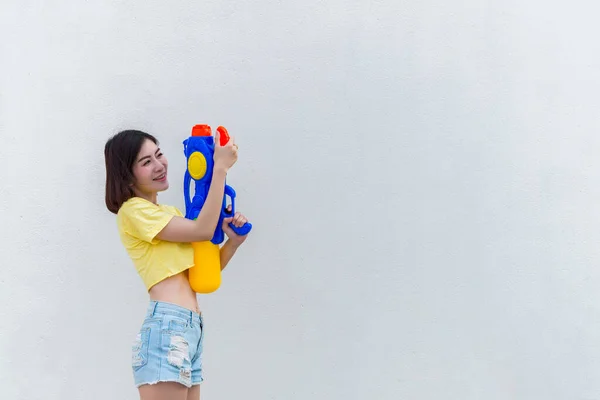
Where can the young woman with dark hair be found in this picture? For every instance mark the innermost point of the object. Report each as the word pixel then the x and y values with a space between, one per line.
pixel 167 351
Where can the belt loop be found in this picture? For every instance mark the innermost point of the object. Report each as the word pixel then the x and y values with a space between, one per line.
pixel 154 308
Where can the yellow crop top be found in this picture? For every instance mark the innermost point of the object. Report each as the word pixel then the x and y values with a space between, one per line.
pixel 139 221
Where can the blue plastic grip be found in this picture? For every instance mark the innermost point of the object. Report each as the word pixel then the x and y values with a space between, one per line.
pixel 186 190
pixel 242 230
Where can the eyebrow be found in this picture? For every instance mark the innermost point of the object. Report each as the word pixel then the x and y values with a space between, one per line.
pixel 143 158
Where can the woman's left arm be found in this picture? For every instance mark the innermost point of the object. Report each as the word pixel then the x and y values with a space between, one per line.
pixel 235 241
pixel 227 252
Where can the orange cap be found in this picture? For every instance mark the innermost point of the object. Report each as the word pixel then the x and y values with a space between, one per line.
pixel 201 130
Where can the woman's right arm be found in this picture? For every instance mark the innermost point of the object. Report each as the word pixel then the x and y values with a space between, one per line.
pixel 181 229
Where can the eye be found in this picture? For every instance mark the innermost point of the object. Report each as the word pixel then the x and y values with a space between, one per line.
pixel 159 155
pixel 146 162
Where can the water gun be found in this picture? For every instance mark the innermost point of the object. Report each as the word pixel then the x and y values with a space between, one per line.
pixel 205 275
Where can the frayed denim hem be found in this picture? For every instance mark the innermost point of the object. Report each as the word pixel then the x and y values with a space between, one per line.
pixel 170 380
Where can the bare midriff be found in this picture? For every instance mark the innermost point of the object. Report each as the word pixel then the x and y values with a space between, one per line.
pixel 176 290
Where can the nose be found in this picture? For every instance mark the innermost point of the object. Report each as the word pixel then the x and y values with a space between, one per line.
pixel 159 166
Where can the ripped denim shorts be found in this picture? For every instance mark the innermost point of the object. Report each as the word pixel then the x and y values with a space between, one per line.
pixel 168 347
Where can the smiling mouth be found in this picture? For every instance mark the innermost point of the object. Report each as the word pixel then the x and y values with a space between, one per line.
pixel 161 177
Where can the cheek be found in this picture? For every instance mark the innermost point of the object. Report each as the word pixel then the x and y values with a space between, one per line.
pixel 136 173
pixel 141 175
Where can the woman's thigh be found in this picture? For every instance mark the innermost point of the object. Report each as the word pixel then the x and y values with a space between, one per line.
pixel 194 393
pixel 164 391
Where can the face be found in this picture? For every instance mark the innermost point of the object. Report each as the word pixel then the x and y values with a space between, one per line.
pixel 150 171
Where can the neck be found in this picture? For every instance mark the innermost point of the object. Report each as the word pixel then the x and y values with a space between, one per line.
pixel 151 197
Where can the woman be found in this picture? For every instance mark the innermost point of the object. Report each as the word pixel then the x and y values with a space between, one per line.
pixel 167 352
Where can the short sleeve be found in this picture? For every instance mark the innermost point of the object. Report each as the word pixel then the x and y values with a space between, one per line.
pixel 176 211
pixel 143 219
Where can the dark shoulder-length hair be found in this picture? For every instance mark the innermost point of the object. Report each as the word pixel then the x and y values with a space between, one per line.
pixel 120 152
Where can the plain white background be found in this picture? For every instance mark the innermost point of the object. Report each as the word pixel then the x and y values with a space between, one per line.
pixel 422 178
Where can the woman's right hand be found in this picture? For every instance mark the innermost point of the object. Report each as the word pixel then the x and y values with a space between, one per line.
pixel 225 156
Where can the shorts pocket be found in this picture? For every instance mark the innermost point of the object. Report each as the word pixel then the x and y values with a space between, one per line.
pixel 139 349
pixel 177 325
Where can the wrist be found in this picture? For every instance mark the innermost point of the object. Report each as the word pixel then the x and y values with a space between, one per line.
pixel 233 245
pixel 219 171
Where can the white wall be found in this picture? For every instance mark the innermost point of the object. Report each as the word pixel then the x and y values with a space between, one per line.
pixel 422 177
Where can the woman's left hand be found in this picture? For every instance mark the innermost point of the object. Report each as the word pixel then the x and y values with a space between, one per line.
pixel 237 220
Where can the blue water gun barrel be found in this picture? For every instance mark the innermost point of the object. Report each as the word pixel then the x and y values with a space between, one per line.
pixel 199 150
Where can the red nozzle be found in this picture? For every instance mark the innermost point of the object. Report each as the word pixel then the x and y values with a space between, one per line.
pixel 224 135
pixel 201 130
